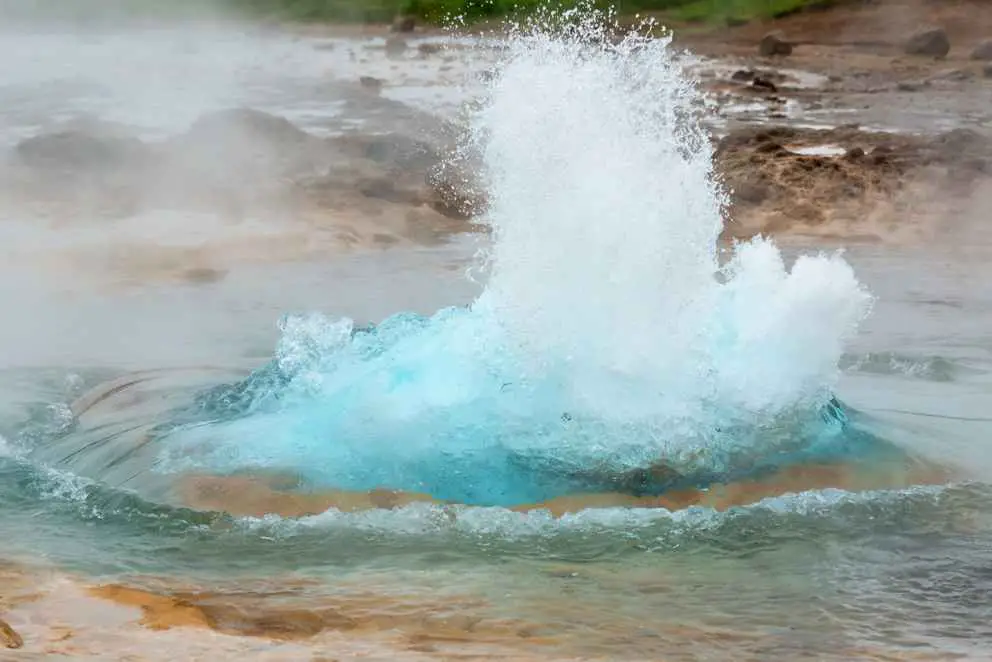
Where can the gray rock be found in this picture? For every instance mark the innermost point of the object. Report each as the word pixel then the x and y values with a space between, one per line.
pixel 982 51
pixel 932 42
pixel 404 24
pixel 774 43
pixel 82 151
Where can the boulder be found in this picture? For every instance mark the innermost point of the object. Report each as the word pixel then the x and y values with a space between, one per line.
pixel 982 51
pixel 774 43
pixel 932 42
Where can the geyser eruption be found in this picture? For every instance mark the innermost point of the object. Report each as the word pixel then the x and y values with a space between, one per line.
pixel 609 336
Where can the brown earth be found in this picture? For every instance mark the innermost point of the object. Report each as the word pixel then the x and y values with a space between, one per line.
pixel 933 182
pixel 883 186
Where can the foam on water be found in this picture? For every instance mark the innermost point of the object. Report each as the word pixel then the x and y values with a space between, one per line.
pixel 608 335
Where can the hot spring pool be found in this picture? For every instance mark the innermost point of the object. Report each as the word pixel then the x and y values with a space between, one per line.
pixel 626 442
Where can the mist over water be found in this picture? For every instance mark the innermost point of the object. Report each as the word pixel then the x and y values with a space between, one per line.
pixel 608 334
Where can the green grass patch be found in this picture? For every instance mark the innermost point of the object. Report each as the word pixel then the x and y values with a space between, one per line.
pixel 736 11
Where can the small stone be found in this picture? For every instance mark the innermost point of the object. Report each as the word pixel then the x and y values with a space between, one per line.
pixel 932 42
pixel 405 24
pixel 982 51
pixel 370 83
pixel 742 75
pixel 774 43
pixel 429 48
pixel 911 86
pixel 854 154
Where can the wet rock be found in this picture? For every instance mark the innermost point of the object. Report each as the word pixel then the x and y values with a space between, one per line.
pixel 912 85
pixel 457 192
pixel 79 150
pixel 9 636
pixel 404 24
pixel 774 43
pixel 429 48
pixel 370 83
pixel 763 84
pixel 395 46
pixel 932 42
pixel 743 76
pixel 987 71
pixel 982 51
pixel 854 154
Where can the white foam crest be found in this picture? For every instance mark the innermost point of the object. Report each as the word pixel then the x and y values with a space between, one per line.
pixel 427 519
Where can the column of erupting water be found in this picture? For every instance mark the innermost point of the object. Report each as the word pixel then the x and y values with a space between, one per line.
pixel 608 335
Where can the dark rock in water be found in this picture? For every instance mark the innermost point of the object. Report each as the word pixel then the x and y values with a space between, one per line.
pixel 404 24
pixel 774 43
pixel 854 154
pixel 458 193
pixel 987 71
pixel 932 42
pixel 763 84
pixel 743 76
pixel 429 48
pixel 912 85
pixel 77 150
pixel 982 51
pixel 395 46
pixel 370 83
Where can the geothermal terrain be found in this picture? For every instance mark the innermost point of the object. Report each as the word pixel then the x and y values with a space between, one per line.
pixel 167 192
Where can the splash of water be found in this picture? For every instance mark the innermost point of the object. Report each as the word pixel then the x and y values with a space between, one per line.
pixel 609 335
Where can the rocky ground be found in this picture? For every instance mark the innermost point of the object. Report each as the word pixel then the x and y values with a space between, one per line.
pixel 899 107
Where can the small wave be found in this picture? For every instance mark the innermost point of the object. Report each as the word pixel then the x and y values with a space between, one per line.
pixel 931 368
pixel 428 519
